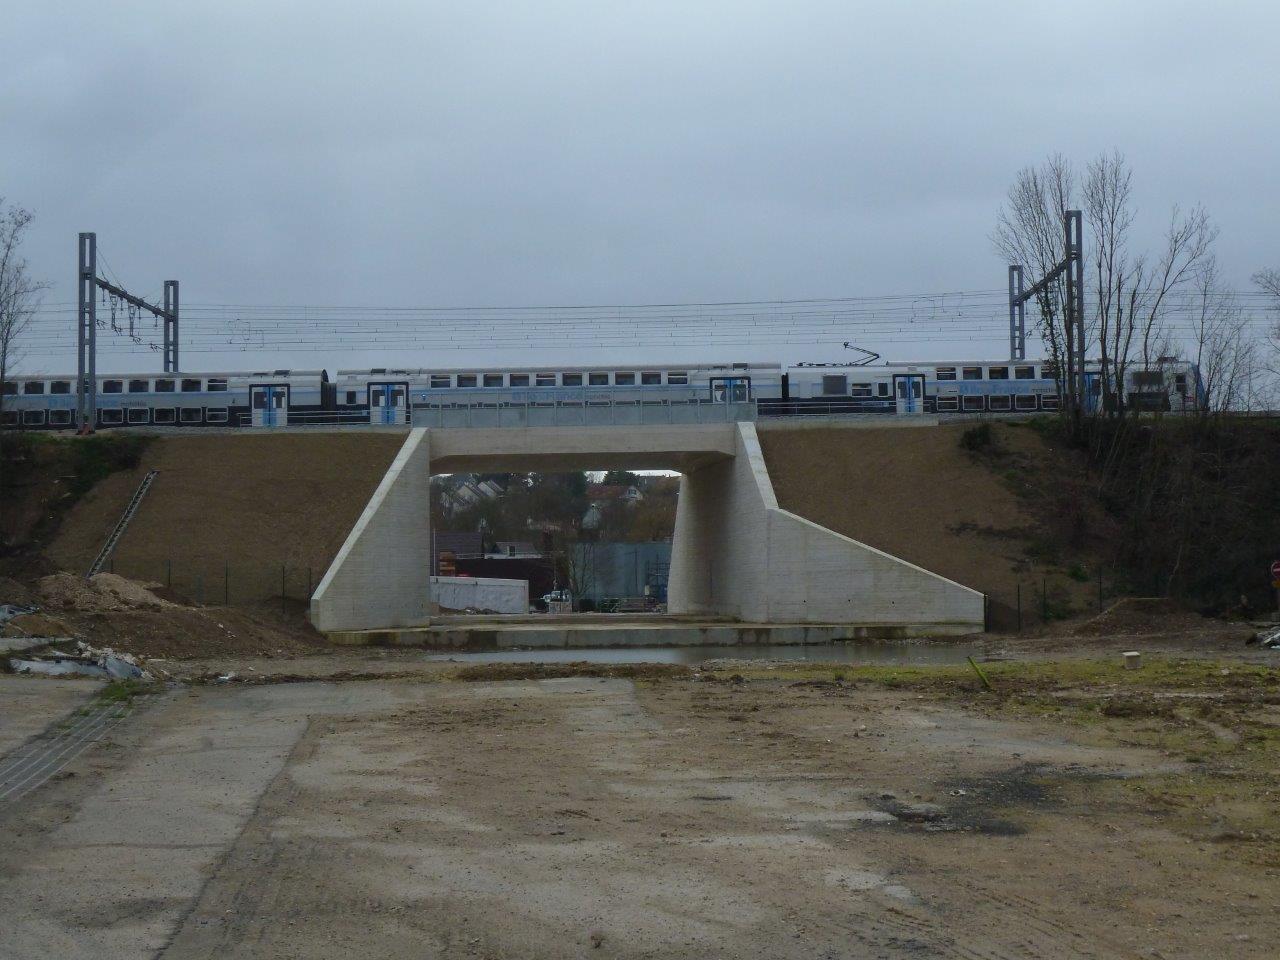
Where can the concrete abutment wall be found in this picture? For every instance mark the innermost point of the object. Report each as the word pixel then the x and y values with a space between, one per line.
pixel 736 553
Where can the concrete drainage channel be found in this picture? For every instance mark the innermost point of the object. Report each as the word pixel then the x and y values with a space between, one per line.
pixel 40 759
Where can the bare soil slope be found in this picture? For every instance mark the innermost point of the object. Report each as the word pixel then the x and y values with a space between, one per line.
pixel 916 493
pixel 249 504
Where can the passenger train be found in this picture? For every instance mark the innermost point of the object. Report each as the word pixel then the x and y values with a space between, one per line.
pixel 273 398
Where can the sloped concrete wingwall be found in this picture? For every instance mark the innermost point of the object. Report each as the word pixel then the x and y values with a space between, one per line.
pixel 737 554
pixel 382 575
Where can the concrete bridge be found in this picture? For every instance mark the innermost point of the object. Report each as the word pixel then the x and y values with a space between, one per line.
pixel 735 555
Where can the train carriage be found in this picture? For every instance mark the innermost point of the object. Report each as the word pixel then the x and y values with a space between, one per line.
pixel 392 396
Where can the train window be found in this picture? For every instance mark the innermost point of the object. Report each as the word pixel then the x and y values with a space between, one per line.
pixel 598 379
pixel 999 402
pixel 677 379
pixel 139 415
pixel 493 379
pixel 165 386
pixel 191 385
pixel 60 386
pixel 1048 372
pixel 1024 401
pixel 164 415
pixel 217 385
pixel 971 403
pixel 835 386
pixel 882 389
pixel 192 415
pixel 971 373
pixel 860 390
pixel 571 380
pixel 112 386
pixel 59 418
pixel 1049 401
pixel 948 403
pixel 351 397
pixel 544 380
pixel 441 381
pixel 33 418
pixel 651 379
pixel 998 373
pixel 624 379
pixel 519 379
pixel 1179 382
pixel 111 416
pixel 946 373
pixel 33 386
pixel 216 414
pixel 466 379
pixel 1024 373
pixel 10 388
pixel 9 418
pixel 260 399
pixel 139 386
pixel 1148 378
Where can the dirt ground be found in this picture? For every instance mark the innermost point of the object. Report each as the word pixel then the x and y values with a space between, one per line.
pixel 149 621
pixel 1077 810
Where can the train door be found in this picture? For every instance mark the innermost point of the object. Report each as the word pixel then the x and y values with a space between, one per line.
pixel 908 392
pixel 388 403
pixel 1092 391
pixel 731 389
pixel 269 405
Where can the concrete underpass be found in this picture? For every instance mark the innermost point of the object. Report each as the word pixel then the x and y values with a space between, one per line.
pixel 737 558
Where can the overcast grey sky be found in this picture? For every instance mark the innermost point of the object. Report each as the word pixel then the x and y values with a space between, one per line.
pixel 451 154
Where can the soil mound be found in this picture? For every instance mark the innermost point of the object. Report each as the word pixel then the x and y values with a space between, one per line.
pixel 1139 616
pixel 101 593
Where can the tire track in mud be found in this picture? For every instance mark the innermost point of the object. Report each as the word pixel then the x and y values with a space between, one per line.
pixel 36 762
pixel 249 899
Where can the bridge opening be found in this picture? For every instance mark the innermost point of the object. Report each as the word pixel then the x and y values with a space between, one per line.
pixel 552 543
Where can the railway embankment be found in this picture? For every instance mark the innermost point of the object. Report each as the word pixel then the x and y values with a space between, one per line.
pixel 230 517
pixel 974 512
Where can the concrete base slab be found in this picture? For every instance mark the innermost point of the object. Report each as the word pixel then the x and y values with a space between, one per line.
pixel 554 633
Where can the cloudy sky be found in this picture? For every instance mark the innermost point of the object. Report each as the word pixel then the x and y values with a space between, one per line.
pixel 420 154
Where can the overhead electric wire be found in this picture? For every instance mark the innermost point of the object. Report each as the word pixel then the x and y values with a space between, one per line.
pixel 974 316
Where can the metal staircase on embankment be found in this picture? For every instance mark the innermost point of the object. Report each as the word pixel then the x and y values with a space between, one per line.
pixel 118 532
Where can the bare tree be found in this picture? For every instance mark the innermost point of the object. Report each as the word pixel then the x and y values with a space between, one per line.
pixel 1269 282
pixel 1224 354
pixel 19 294
pixel 1130 290
pixel 1031 230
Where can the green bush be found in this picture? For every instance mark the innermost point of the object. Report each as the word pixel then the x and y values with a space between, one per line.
pixel 979 439
pixel 95 458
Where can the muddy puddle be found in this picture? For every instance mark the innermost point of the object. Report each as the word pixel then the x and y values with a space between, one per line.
pixel 862 652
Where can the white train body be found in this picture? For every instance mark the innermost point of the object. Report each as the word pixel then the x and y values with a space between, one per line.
pixel 391 396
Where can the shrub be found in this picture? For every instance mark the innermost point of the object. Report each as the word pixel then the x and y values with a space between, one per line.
pixel 979 439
